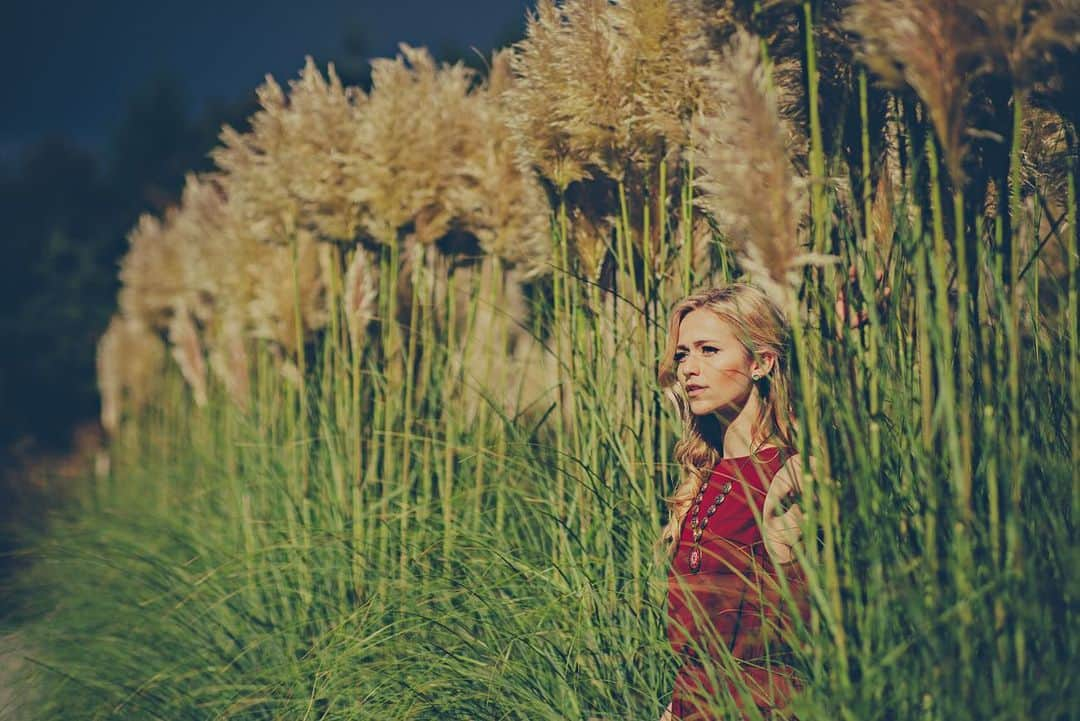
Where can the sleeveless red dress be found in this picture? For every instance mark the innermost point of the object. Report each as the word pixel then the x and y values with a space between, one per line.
pixel 733 599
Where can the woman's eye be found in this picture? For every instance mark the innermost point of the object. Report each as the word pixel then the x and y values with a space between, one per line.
pixel 708 349
pixel 680 356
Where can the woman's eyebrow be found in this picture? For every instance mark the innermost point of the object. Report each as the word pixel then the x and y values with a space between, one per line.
pixel 698 343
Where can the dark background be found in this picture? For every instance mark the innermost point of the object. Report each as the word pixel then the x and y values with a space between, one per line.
pixel 106 106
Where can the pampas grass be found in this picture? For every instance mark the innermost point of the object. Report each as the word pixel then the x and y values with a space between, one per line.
pixel 416 119
pixel 129 363
pixel 603 100
pixel 448 510
pixel 187 351
pixel 929 47
pixel 749 184
pixel 150 273
pixel 502 203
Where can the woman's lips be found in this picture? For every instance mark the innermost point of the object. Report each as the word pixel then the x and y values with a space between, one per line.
pixel 692 389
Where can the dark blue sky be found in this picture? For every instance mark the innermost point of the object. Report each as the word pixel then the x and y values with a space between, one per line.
pixel 71 66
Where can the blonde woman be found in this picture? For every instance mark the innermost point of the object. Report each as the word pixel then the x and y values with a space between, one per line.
pixel 726 366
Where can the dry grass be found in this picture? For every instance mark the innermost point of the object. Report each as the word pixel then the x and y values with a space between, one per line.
pixel 187 351
pixel 129 362
pixel 150 273
pixel 501 203
pixel 933 48
pixel 604 96
pixel 748 182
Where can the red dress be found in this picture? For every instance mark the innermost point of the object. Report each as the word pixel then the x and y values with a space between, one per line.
pixel 733 599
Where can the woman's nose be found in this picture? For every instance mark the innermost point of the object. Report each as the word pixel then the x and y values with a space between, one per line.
pixel 689 367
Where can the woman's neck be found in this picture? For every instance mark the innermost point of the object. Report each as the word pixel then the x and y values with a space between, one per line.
pixel 738 429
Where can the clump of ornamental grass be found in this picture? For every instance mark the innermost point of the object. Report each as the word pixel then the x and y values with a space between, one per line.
pixel 280 188
pixel 502 204
pixel 187 350
pixel 322 120
pixel 196 232
pixel 129 362
pixel 983 72
pixel 415 123
pixel 749 184
pixel 156 292
pixel 602 102
pixel 927 47
pixel 150 272
pixel 944 51
pixel 469 226
pixel 289 164
pixel 215 258
pixel 789 35
pixel 436 165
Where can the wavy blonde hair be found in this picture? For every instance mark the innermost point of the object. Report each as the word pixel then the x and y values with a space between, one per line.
pixel 761 327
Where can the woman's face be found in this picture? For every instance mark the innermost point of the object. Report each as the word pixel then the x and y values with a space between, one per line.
pixel 712 365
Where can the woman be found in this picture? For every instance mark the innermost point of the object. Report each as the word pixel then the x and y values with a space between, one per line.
pixel 726 366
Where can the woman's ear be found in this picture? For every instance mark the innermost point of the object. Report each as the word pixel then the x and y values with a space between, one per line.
pixel 764 363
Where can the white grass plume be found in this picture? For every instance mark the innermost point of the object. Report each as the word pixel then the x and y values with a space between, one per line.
pixel 129 362
pixel 748 182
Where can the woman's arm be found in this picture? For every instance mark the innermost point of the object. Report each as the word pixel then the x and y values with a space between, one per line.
pixel 782 516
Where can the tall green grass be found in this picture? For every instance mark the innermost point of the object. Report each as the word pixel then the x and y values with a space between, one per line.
pixel 369 546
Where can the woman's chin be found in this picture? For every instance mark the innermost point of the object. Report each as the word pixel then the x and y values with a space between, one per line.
pixel 702 407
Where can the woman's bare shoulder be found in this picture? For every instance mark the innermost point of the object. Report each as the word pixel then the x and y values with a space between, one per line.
pixel 791 477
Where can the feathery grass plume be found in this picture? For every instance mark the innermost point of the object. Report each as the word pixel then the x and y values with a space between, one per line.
pixel 321 125
pixel 255 168
pixel 501 202
pixel 1024 37
pixel 129 360
pixel 290 163
pixel 204 257
pixel 271 309
pixel 935 48
pixel 884 203
pixel 187 351
pixel 150 272
pixel 550 136
pixel 603 86
pixel 360 297
pixel 780 24
pixel 414 128
pixel 604 95
pixel 882 222
pixel 217 287
pixel 748 183
pixel 285 190
pixel 777 24
pixel 230 358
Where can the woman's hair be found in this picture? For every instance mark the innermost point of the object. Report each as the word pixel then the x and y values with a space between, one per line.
pixel 760 326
